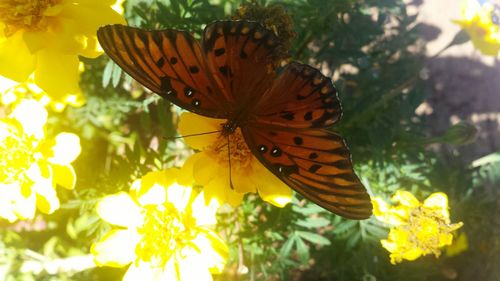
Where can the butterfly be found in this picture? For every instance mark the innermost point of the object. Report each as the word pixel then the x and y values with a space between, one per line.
pixel 283 115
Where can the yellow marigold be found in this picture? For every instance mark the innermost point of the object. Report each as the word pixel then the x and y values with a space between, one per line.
pixel 482 24
pixel 45 37
pixel 31 165
pixel 163 230
pixel 12 93
pixel 210 166
pixel 418 228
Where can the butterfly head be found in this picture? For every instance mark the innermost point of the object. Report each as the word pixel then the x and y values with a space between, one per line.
pixel 229 127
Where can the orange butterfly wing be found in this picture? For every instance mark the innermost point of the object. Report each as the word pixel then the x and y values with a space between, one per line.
pixel 232 72
pixel 169 63
pixel 240 55
pixel 290 138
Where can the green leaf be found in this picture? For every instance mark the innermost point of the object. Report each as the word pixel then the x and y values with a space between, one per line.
pixel 287 246
pixel 488 159
pixel 117 74
pixel 353 240
pixel 302 250
pixel 308 209
pixel 106 75
pixel 313 222
pixel 344 226
pixel 313 238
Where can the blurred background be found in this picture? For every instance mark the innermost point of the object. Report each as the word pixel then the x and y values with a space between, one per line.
pixel 463 83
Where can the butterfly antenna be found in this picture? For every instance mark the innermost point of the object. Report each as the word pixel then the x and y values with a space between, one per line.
pixel 192 135
pixel 229 158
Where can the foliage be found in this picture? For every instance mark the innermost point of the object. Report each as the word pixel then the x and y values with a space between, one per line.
pixel 372 49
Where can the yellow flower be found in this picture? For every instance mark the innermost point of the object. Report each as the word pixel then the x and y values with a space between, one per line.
pixel 210 166
pixel 45 37
pixel 118 6
pixel 461 245
pixel 163 230
pixel 482 24
pixel 12 93
pixel 32 165
pixel 418 228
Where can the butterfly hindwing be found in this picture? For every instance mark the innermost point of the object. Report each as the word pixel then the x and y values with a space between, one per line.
pixel 288 135
pixel 240 55
pixel 168 62
pixel 314 162
pixel 301 97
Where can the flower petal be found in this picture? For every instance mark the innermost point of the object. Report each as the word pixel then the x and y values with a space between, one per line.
pixel 66 149
pixel 406 199
pixel 47 200
pixel 204 168
pixel 185 176
pixel 6 84
pixel 32 116
pixel 25 206
pixel 190 123
pixel 438 201
pixel 150 189
pixel 144 271
pixel 89 17
pixel 460 245
pixel 204 213
pixel 220 190
pixel 246 180
pixel 271 189
pixel 16 61
pixel 57 74
pixel 116 248
pixel 64 175
pixel 212 249
pixel 179 195
pixel 119 209
pixel 391 215
pixel 193 267
pixel 412 254
pixel 14 205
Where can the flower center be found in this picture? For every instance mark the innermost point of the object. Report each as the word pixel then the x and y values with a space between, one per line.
pixel 24 14
pixel 239 152
pixel 163 233
pixel 16 155
pixel 426 227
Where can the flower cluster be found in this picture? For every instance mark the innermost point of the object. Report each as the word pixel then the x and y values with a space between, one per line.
pixel 45 37
pixel 163 230
pixel 33 164
pixel 417 228
pixel 482 23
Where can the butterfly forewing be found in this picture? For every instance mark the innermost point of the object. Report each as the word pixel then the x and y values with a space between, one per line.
pixel 314 162
pixel 240 56
pixel 169 63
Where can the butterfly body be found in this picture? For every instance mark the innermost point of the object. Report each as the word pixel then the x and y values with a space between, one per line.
pixel 284 117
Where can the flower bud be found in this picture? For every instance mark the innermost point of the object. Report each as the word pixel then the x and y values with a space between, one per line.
pixel 460 134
